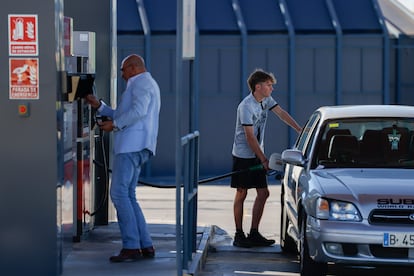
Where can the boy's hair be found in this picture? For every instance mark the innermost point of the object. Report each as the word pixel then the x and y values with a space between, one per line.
pixel 258 76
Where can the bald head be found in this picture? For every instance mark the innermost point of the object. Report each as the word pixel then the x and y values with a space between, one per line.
pixel 132 65
pixel 135 60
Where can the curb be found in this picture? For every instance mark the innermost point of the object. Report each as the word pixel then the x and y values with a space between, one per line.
pixel 200 255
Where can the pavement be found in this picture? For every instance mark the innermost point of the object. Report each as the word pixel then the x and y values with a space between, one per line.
pixel 215 255
pixel 91 255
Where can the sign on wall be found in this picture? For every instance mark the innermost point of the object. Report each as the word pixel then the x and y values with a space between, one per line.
pixel 23 35
pixel 23 62
pixel 24 78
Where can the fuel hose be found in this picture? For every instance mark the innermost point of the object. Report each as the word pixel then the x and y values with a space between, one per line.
pixel 278 175
pixel 206 180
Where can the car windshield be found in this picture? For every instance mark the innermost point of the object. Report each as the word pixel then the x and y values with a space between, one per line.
pixel 366 142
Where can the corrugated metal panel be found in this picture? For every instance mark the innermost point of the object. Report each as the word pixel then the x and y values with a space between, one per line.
pixel 310 16
pixel 357 16
pixel 263 17
pixel 127 17
pixel 354 68
pixel 213 16
pixel 162 15
pixel 216 16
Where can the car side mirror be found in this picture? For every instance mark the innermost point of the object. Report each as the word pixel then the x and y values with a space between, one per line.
pixel 294 157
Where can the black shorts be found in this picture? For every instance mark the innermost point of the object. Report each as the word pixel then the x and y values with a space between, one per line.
pixel 250 178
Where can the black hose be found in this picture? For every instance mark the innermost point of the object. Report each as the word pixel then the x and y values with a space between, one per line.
pixel 201 181
pixel 105 196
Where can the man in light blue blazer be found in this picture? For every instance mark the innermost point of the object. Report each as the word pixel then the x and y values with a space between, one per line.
pixel 135 126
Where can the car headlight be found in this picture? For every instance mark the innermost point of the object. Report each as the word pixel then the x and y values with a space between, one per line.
pixel 336 210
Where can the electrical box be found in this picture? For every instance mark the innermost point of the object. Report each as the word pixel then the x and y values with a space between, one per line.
pixel 83 58
pixel 79 61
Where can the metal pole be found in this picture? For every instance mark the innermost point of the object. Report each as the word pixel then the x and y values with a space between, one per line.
pixel 243 32
pixel 385 55
pixel 147 32
pixel 398 62
pixel 178 157
pixel 338 30
pixel 292 55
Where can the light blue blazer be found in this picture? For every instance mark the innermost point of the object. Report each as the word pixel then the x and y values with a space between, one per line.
pixel 136 116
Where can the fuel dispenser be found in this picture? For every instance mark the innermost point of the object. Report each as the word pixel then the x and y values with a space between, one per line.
pixel 79 145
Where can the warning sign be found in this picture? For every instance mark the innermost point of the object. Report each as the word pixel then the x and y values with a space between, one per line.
pixel 24 78
pixel 23 35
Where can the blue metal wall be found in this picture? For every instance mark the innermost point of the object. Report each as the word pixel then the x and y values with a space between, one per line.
pixel 323 52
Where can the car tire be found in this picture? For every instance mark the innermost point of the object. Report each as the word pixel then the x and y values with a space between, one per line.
pixel 287 244
pixel 308 267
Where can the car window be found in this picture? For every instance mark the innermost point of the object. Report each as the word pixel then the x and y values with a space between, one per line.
pixel 306 132
pixel 367 142
pixel 310 143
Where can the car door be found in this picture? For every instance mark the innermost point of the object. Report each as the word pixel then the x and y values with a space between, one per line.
pixel 293 173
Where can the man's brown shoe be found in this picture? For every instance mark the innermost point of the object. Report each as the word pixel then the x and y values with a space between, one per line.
pixel 126 255
pixel 148 252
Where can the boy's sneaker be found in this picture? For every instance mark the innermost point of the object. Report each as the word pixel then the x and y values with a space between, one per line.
pixel 256 239
pixel 240 240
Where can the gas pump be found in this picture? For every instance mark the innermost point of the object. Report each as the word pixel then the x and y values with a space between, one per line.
pixel 83 196
pixel 80 140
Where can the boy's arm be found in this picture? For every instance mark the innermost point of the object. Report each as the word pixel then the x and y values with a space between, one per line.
pixel 254 145
pixel 285 117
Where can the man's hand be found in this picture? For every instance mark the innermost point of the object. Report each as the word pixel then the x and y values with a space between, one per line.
pixel 106 126
pixel 93 101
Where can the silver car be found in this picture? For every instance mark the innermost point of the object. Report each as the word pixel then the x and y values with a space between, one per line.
pixel 347 193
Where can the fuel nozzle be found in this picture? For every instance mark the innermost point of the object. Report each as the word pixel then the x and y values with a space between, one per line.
pixel 278 174
pixel 256 167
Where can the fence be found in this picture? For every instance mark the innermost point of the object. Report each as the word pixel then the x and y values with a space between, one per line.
pixel 186 209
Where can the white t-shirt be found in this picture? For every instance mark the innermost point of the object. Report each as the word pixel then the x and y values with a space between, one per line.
pixel 250 112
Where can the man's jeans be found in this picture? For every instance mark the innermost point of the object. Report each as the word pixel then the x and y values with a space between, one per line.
pixel 125 173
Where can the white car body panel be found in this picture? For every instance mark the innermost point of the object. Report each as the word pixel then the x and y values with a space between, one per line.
pixel 381 189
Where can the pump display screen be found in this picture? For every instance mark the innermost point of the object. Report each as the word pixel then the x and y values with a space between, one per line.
pixel 84 85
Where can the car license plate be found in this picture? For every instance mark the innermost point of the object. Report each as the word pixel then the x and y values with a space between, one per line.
pixel 398 240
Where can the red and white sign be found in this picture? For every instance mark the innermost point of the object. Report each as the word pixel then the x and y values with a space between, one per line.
pixel 24 78
pixel 67 36
pixel 23 35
